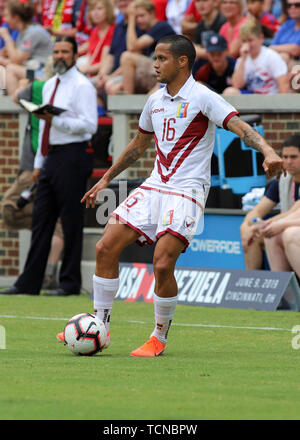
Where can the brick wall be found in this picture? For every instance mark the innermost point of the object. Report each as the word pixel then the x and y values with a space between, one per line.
pixel 9 162
pixel 142 167
pixel 277 127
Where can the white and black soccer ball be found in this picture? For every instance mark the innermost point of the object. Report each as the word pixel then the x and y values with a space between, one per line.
pixel 85 334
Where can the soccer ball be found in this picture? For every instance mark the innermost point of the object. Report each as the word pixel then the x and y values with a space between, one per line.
pixel 85 334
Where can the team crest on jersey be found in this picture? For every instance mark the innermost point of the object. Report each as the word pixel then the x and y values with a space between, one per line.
pixel 182 110
pixel 168 218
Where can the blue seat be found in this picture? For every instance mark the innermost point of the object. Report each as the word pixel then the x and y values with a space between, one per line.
pixel 239 184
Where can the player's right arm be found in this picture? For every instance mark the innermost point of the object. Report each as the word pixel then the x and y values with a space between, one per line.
pixel 132 152
pixel 272 164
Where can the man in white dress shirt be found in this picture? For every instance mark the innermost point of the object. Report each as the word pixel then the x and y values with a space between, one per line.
pixel 62 166
pixel 167 207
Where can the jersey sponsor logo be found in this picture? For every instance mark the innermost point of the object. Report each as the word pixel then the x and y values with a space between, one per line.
pixel 157 110
pixel 182 110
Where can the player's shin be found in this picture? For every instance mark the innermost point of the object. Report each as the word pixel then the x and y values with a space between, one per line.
pixel 164 309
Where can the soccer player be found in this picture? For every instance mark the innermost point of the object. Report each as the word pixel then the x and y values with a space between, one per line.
pixel 167 207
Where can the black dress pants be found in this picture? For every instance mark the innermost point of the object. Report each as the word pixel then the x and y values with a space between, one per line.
pixel 61 186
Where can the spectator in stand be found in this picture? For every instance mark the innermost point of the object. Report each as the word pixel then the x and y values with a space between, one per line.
pixel 217 72
pixel 190 20
pixel 109 75
pixel 233 11
pixel 138 74
pixel 13 32
pixel 287 40
pixel 277 8
pixel 212 21
pixel 269 23
pixel 59 17
pixel 102 16
pixel 160 9
pixel 282 240
pixel 259 69
pixel 76 9
pixel 286 191
pixel 83 27
pixel 175 11
pixel 38 7
pixel 32 48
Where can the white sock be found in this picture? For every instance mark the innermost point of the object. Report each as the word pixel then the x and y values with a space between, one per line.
pixel 164 309
pixel 105 290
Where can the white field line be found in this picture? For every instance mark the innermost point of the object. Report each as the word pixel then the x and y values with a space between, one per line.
pixel 47 318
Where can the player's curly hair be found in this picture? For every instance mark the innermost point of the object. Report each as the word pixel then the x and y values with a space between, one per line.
pixel 180 46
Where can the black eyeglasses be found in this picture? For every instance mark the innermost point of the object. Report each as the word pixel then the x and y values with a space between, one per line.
pixel 296 5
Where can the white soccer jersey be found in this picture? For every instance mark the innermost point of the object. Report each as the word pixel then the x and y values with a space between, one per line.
pixel 184 131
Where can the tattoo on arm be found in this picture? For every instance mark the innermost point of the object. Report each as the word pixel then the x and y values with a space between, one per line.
pixel 246 133
pixel 252 138
pixel 132 153
pixel 129 157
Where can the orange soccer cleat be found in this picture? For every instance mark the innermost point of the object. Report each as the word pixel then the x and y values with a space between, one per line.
pixel 60 337
pixel 151 348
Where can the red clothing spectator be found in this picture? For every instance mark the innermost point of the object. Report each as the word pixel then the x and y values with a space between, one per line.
pixel 270 21
pixel 57 13
pixel 190 20
pixel 100 14
pixel 192 10
pixel 160 9
pixel 96 44
pixel 231 35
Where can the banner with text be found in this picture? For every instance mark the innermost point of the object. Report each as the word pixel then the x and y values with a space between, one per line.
pixel 255 289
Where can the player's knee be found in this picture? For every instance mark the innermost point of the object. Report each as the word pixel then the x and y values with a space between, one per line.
pixel 103 251
pixel 125 57
pixel 162 266
pixel 291 235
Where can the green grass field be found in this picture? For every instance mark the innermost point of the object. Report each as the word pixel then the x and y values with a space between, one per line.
pixel 219 364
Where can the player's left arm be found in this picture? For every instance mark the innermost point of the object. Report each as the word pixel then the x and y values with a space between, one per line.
pixel 273 164
pixel 134 150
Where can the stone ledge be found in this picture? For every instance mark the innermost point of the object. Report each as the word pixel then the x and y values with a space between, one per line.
pixel 280 103
pixel 7 105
